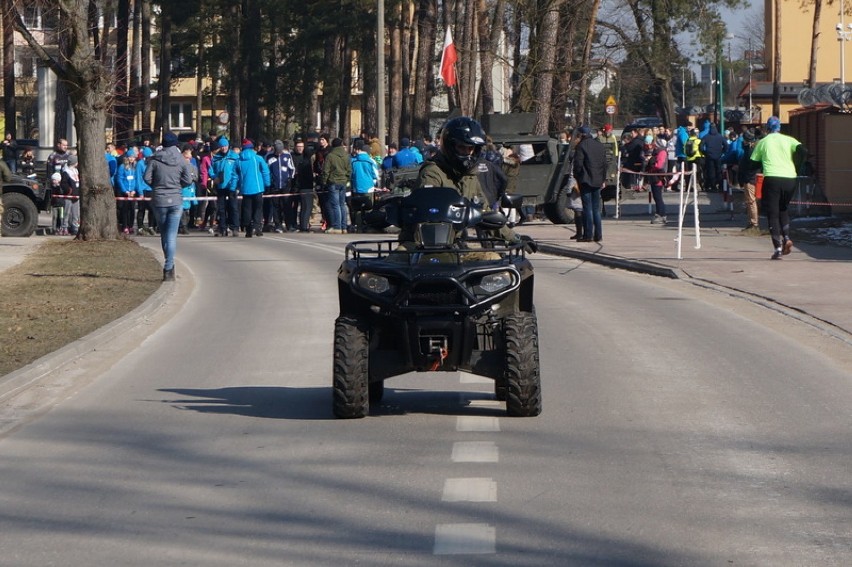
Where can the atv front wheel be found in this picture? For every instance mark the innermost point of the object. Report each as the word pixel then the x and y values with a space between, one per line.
pixel 520 333
pixel 351 367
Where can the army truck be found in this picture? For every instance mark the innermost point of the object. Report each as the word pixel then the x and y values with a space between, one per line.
pixel 543 179
pixel 23 198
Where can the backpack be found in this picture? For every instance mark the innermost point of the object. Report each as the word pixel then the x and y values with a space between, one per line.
pixel 690 148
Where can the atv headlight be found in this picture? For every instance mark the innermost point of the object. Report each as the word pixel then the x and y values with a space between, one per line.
pixel 498 281
pixel 374 283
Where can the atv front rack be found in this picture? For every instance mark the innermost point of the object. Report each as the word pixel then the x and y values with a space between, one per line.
pixel 475 250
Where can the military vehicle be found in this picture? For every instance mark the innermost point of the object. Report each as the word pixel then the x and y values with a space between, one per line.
pixel 23 198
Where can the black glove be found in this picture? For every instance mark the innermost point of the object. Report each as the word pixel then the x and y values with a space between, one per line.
pixel 530 245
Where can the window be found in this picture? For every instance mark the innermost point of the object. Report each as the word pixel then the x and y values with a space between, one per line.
pixel 32 17
pixel 180 116
pixel 26 64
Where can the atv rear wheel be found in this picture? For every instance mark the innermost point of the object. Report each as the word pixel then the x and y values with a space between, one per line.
pixel 351 368
pixel 520 333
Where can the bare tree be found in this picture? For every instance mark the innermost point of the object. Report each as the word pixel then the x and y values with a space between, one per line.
pixel 91 89
pixel 9 110
pixel 427 25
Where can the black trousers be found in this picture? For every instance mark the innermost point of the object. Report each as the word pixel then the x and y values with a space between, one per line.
pixel 306 205
pixel 777 194
pixel 253 212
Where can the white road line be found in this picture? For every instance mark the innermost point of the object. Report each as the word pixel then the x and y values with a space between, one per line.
pixel 477 423
pixel 465 539
pixel 467 378
pixel 469 490
pixel 475 452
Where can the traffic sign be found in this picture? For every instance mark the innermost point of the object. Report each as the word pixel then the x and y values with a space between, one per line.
pixel 611 101
pixel 610 109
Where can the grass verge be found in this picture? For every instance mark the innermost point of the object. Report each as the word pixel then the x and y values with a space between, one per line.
pixel 67 289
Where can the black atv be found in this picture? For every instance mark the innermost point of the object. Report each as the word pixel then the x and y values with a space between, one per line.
pixel 436 302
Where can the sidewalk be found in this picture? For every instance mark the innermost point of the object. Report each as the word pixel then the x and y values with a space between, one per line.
pixel 813 279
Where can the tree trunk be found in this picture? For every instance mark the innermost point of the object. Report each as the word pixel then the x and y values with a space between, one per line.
pixel 395 77
pixel 406 43
pixel 545 66
pixel 585 63
pixel 424 90
pixel 812 68
pixel 9 109
pixel 569 22
pixel 123 128
pixel 776 74
pixel 369 102
pixel 146 65
pixel 346 92
pixel 163 120
pixel 252 68
pixel 234 84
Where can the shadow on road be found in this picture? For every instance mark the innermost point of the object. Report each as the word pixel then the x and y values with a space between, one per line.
pixel 273 402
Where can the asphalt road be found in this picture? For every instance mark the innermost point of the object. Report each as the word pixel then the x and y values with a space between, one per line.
pixel 679 428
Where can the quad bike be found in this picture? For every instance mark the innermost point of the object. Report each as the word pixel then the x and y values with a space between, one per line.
pixel 437 301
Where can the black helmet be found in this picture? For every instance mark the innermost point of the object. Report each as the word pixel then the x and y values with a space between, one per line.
pixel 462 130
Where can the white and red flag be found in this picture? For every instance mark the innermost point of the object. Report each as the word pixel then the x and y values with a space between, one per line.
pixel 448 60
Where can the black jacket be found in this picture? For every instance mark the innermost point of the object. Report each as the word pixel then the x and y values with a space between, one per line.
pixel 590 163
pixel 713 145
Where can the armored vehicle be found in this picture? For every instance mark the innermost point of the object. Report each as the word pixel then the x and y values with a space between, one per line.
pixel 23 198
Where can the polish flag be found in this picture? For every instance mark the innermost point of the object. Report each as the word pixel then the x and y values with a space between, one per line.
pixel 448 60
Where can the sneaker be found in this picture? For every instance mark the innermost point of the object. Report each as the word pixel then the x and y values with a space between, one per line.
pixel 777 255
pixel 234 233
pixel 258 232
pixel 278 230
pixel 657 219
pixel 663 221
pixel 788 247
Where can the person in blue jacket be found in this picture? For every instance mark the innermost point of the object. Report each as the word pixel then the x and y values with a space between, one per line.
pixel 223 172
pixel 405 157
pixel 365 178
pixel 254 178
pixel 126 186
pixel 144 190
pixel 188 193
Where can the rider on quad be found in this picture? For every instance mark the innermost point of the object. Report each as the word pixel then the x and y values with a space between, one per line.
pixel 455 165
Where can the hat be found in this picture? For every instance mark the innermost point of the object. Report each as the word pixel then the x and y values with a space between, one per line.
pixel 247 144
pixel 72 160
pixel 278 145
pixel 584 130
pixel 169 139
pixel 773 124
pixel 607 128
pixel 404 143
pixel 130 153
pixel 147 152
pixel 223 142
pixel 748 135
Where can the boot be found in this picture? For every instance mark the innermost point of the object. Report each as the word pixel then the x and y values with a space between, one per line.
pixel 169 275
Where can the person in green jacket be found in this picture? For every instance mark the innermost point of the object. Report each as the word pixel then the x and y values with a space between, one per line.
pixel 336 172
pixel 778 153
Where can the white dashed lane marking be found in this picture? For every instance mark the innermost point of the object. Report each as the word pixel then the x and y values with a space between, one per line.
pixel 469 490
pixel 477 423
pixel 465 539
pixel 475 452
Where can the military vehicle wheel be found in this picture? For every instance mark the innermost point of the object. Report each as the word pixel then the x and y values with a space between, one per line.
pixel 351 366
pixel 377 392
pixel 20 217
pixel 520 333
pixel 558 212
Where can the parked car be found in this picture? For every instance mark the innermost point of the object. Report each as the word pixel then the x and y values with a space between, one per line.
pixel 644 122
